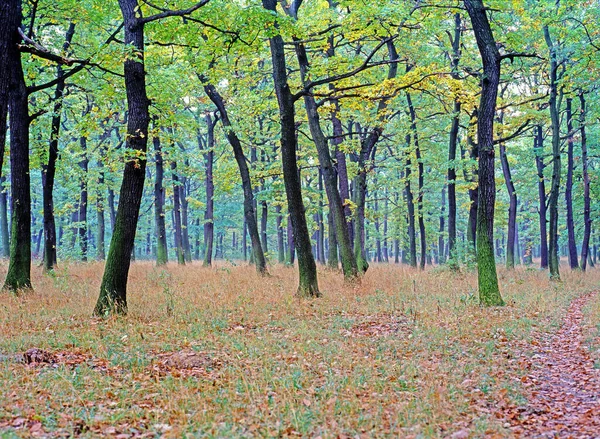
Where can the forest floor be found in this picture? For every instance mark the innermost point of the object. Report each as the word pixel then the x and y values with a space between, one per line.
pixel 223 353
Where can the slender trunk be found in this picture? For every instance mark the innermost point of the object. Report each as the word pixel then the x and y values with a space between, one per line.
pixel 177 214
pixel 4 219
pixel 489 292
pixel 553 262
pixel 420 175
pixel 410 206
pixel 280 246
pixel 162 252
pixel 113 291
pixel 453 141
pixel 572 245
pixel 587 220
pixel 473 192
pixel 308 285
pixel 512 209
pixel 290 239
pixel 209 225
pixel 328 172
pixel 19 268
pixel 538 147
pixel 185 225
pixel 49 168
pixel 238 152
pixel 332 253
pixel 83 200
pixel 101 229
pixel 441 249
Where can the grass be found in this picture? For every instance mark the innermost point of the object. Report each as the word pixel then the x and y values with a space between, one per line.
pixel 402 354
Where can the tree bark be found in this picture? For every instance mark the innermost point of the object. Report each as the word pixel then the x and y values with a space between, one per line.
pixel 4 219
pixel 177 214
pixel 410 206
pixel 572 245
pixel 308 285
pixel 19 268
pixel 538 147
pixel 553 262
pixel 240 158
pixel 587 220
pixel 489 292
pixel 453 141
pixel 348 260
pixel 113 290
pixel 162 252
pixel 512 209
pixel 420 172
pixel 83 201
pixel 49 168
pixel 209 215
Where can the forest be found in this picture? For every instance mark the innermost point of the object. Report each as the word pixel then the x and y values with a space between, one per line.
pixel 312 218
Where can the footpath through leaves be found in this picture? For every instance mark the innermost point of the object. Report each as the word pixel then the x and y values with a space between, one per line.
pixel 563 387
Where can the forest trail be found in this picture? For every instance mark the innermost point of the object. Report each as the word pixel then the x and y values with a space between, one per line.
pixel 563 385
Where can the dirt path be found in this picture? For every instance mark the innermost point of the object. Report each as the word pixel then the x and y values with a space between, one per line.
pixel 563 385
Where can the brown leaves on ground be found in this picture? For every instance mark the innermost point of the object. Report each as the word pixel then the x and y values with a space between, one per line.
pixel 379 326
pixel 562 385
pixel 187 363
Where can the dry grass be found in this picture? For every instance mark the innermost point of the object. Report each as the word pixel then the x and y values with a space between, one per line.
pixel 222 353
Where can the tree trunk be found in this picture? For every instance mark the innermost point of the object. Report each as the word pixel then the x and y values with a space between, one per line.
pixel 441 249
pixel 177 214
pixel 19 268
pixel 332 253
pixel 162 252
pixel 238 152
pixel 209 225
pixel 454 129
pixel 410 206
pixel 553 262
pixel 113 291
pixel 421 219
pixel 4 219
pixel 538 147
pixel 349 264
pixel 308 285
pixel 290 240
pixel 512 209
pixel 280 245
pixel 49 168
pixel 489 292
pixel 587 220
pixel 572 245
pixel 185 225
pixel 83 200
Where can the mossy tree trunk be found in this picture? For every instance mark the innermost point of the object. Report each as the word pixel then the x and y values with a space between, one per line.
pixel 19 268
pixel 308 285
pixel 489 292
pixel 113 290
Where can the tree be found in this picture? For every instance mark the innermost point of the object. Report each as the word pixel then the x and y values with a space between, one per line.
pixel 489 292
pixel 308 286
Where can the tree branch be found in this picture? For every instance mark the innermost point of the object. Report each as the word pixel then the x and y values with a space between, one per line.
pixel 520 130
pixel 173 13
pixel 364 66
